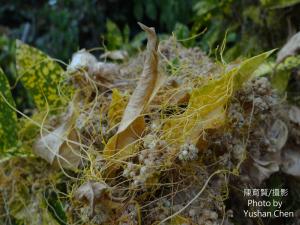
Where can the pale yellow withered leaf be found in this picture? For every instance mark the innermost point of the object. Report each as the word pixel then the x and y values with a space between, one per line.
pixel 206 109
pixel 132 124
pixel 248 67
pixel 207 104
pixel 116 107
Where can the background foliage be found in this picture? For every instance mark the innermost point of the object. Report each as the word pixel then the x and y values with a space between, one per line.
pixel 60 27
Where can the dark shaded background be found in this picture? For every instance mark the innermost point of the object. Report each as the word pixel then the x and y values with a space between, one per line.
pixel 61 27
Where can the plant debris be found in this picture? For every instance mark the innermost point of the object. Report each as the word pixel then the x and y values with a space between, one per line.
pixel 156 138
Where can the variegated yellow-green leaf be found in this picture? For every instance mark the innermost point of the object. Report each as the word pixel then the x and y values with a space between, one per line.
pixel 206 109
pixel 34 212
pixel 8 118
pixel 40 75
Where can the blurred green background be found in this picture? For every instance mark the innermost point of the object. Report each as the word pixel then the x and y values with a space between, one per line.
pixel 60 27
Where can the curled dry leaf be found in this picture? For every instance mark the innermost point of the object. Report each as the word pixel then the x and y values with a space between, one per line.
pixel 260 168
pixel 291 162
pixel 148 84
pixel 294 114
pixel 59 146
pixel 292 47
pixel 91 192
pixel 132 124
pixel 278 134
pixel 115 55
pixel 83 61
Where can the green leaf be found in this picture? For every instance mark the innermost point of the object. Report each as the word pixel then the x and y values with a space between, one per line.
pixel 113 36
pixel 8 117
pixel 138 39
pixel 181 31
pixel 279 3
pixel 203 7
pixel 40 74
pixel 280 80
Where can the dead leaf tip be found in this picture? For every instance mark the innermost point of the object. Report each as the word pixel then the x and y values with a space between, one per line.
pixel 146 28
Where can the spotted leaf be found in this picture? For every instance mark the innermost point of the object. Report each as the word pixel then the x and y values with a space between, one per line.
pixel 8 118
pixel 40 74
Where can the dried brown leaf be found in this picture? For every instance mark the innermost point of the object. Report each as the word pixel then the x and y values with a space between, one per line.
pixel 132 124
pixel 148 84
pixel 291 162
pixel 59 146
pixel 115 55
pixel 91 192
pixel 278 134
pixel 83 61
pixel 261 167
pixel 294 115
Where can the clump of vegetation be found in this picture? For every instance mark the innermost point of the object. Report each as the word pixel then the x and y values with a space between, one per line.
pixel 164 137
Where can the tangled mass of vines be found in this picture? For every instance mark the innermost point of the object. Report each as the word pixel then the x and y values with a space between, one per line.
pixel 168 136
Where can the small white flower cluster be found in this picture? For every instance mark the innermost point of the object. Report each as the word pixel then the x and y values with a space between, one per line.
pixel 261 85
pixel 149 160
pixel 99 216
pixel 235 114
pixel 131 213
pixel 208 217
pixel 238 151
pixel 259 91
pixel 164 208
pixel 130 171
pixel 154 155
pixel 188 152
pixel 81 121
pixel 90 124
